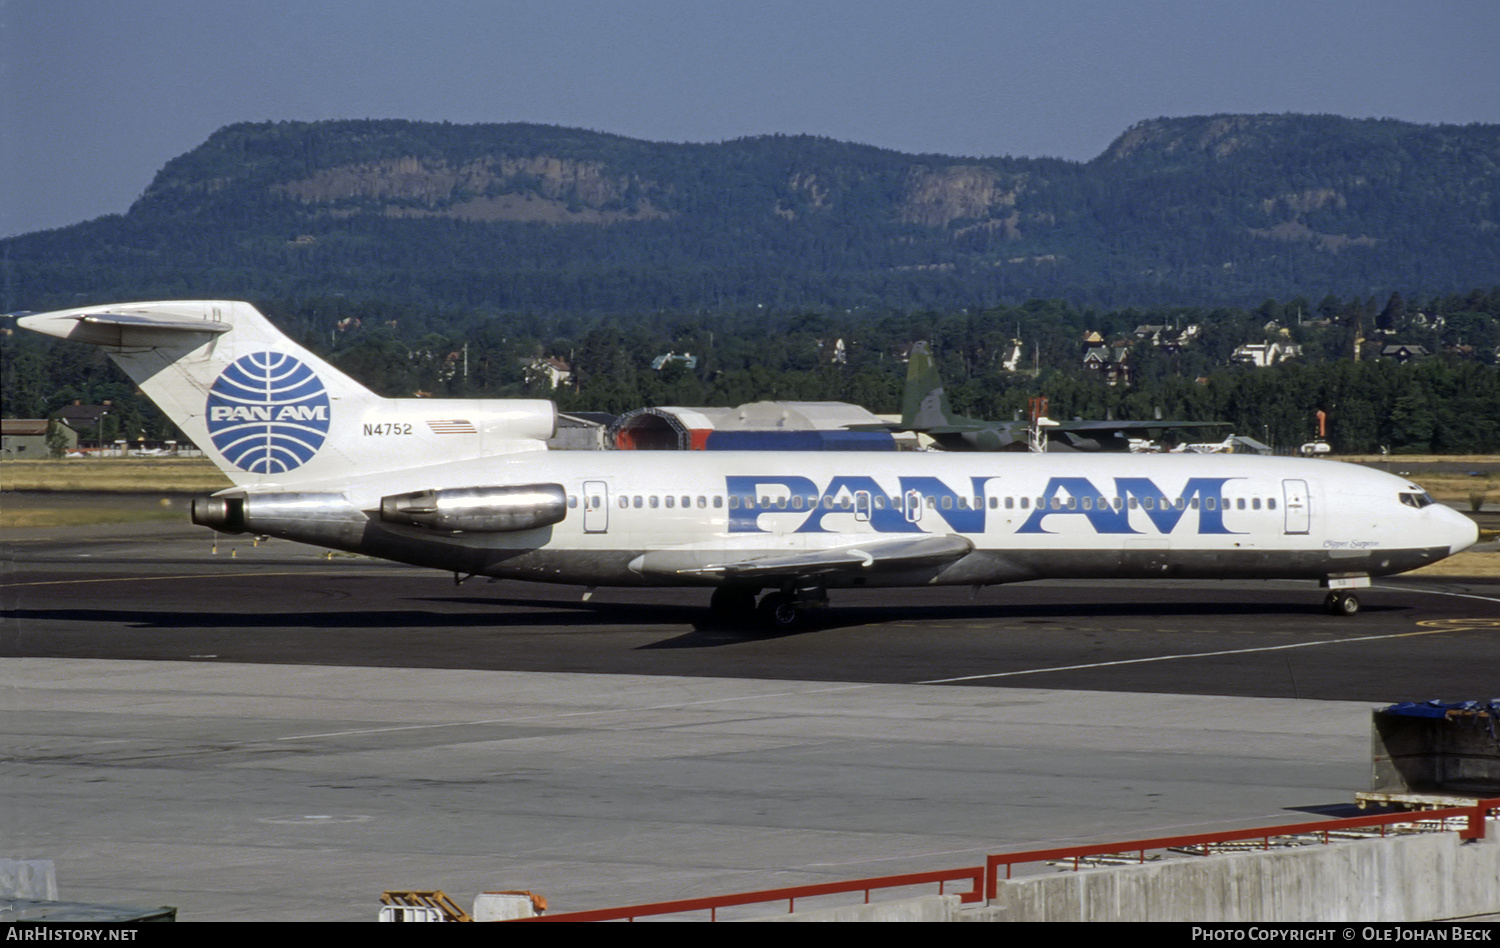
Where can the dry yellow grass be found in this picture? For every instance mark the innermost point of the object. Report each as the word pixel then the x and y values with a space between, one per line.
pixel 113 475
pixel 1469 563
pixel 20 518
pixel 1460 488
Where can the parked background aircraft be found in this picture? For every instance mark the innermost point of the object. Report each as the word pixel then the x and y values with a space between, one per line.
pixel 925 409
pixel 467 486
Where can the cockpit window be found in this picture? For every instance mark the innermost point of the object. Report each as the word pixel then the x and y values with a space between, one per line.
pixel 1417 499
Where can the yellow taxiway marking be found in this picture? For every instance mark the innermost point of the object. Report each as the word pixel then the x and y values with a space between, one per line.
pixel 1461 625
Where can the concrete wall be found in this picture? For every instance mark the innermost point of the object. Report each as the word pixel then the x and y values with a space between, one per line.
pixel 932 908
pixel 1399 879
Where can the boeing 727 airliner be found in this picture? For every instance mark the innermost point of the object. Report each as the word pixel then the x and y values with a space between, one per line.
pixel 469 487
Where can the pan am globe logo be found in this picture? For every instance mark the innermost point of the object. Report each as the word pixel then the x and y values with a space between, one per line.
pixel 268 413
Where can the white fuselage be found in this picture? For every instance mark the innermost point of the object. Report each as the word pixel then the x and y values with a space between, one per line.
pixel 466 485
pixel 661 518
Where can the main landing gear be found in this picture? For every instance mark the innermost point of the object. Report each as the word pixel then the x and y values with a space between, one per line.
pixel 780 610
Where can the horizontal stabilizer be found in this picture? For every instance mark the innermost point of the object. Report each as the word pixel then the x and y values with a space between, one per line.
pixel 143 329
pixel 170 323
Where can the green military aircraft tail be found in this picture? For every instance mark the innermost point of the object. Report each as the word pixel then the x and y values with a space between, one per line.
pixel 925 410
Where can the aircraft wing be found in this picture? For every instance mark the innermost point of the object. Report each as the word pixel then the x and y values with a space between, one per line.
pixel 876 554
pixel 1132 425
pixel 894 426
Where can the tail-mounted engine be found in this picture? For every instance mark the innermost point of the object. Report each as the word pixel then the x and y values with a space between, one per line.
pixel 478 509
pixel 224 514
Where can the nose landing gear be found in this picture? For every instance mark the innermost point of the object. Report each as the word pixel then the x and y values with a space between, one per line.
pixel 1341 603
pixel 1341 599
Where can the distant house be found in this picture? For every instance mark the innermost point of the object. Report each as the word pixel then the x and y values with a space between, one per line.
pixel 86 420
pixel 1111 361
pixel 23 439
pixel 554 370
pixel 1262 354
pixel 1012 361
pixel 1165 337
pixel 1182 338
pixel 1404 354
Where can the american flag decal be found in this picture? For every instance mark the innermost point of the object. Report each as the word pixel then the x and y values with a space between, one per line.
pixel 453 426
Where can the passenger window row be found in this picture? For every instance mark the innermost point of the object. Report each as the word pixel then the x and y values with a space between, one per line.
pixel 947 502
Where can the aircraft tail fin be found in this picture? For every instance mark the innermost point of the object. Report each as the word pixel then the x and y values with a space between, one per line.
pixel 924 404
pixel 271 413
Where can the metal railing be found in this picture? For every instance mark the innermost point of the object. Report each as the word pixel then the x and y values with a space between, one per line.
pixel 974 875
pixel 984 880
pixel 1472 818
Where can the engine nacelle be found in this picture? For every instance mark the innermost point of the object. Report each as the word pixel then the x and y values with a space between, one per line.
pixel 224 514
pixel 322 517
pixel 478 509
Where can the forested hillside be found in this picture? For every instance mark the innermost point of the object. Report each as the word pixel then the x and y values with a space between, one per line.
pixel 1442 394
pixel 445 260
pixel 1192 211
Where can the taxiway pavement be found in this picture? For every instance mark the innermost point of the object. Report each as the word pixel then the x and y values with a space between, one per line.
pixel 259 732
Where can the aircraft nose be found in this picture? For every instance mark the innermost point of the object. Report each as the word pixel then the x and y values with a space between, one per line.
pixel 1463 531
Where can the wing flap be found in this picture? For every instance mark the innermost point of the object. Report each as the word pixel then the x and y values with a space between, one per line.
pixel 875 555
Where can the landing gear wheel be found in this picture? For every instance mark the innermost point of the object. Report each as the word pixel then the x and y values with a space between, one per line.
pixel 778 613
pixel 1341 604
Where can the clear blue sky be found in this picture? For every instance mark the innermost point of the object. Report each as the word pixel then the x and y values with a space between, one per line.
pixel 95 95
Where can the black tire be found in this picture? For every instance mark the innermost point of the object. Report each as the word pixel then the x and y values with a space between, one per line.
pixel 778 613
pixel 1341 604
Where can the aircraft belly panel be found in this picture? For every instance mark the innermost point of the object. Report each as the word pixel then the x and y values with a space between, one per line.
pixel 1017 565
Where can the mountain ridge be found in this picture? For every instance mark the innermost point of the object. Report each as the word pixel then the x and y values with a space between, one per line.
pixel 1200 209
